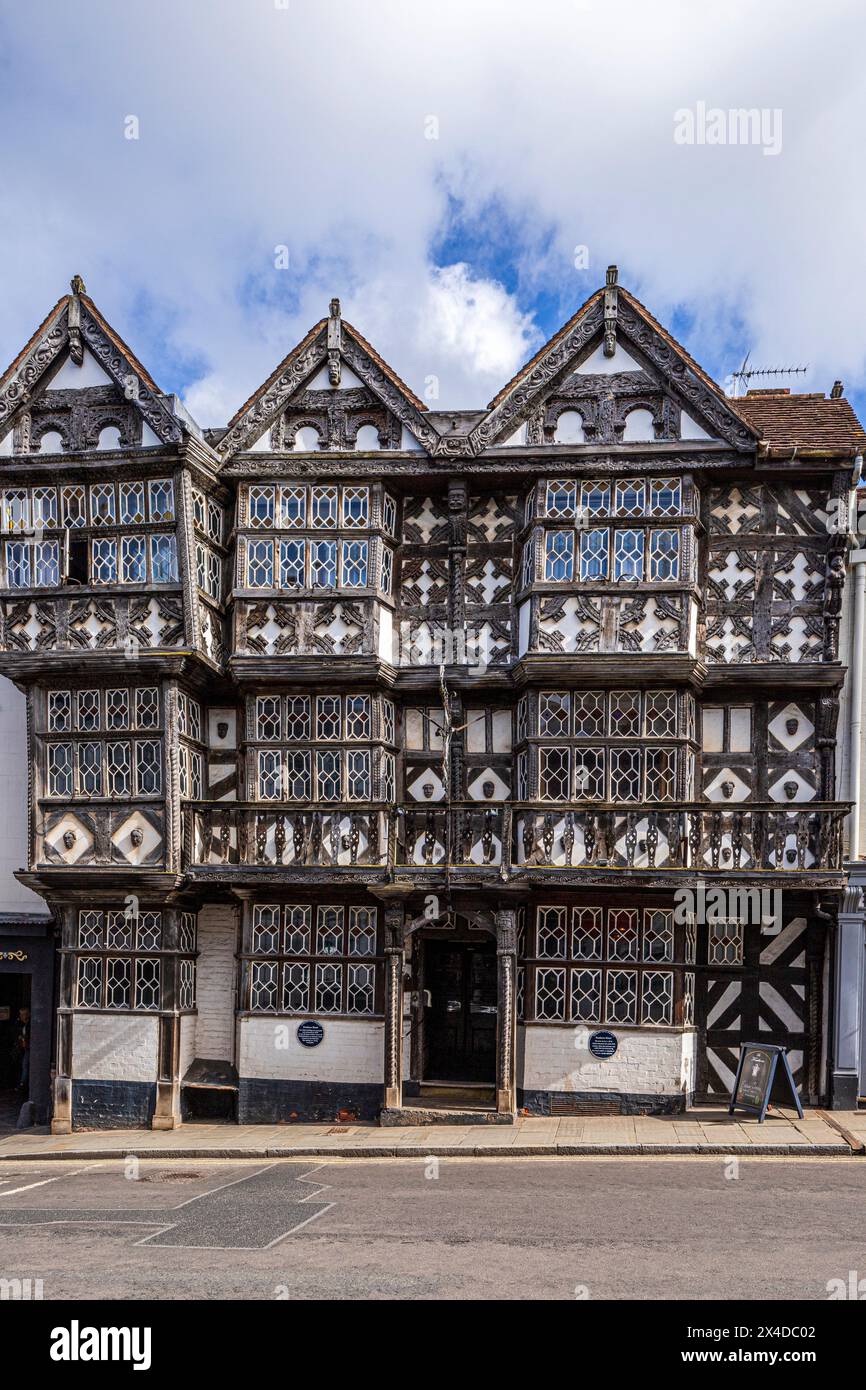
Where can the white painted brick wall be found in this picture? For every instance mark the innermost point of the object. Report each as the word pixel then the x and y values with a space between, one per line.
pixel 349 1051
pixel 114 1048
pixel 187 1043
pixel 647 1061
pixel 216 983
pixel 14 897
pixel 690 1061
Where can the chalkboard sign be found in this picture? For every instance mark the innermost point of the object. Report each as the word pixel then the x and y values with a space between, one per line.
pixel 603 1044
pixel 310 1034
pixel 759 1065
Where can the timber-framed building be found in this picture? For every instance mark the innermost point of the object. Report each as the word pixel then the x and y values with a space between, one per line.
pixel 369 745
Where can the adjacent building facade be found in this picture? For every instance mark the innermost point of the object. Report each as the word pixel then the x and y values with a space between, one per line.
pixel 384 760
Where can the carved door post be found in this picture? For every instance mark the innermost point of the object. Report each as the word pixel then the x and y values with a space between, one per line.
pixel 394 1006
pixel 506 960
pixel 166 1113
pixel 61 1117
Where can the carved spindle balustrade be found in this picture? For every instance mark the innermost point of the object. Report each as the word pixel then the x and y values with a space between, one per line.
pixel 706 837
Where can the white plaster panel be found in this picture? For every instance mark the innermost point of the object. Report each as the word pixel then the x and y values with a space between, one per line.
pixel 114 1047
pixel 648 1061
pixel 599 365
pixel 386 634
pixel 14 897
pixel 72 378
pixel 187 1043
pixel 215 983
pixel 350 1051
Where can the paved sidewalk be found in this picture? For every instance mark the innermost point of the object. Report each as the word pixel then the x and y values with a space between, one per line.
pixel 704 1130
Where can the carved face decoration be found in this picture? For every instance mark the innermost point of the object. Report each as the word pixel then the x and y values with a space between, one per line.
pixel 222 728
pixel 136 837
pixel 488 788
pixel 792 725
pixel 427 789
pixel 69 838
pixel 790 790
pixel 727 790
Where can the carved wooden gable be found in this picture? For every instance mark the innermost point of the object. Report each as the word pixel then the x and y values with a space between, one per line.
pixel 76 386
pixel 611 376
pixel 332 393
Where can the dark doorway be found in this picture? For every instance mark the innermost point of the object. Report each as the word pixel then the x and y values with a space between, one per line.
pixel 460 1018
pixel 15 1040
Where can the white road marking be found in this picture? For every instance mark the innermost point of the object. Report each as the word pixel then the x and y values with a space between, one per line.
pixel 45 1181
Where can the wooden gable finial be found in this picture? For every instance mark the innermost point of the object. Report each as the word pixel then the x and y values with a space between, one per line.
pixel 76 344
pixel 335 339
pixel 610 304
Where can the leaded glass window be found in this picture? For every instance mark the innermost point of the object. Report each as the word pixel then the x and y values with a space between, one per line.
pixel 559 555
pixel 593 554
pixel 664 555
pixel 161 499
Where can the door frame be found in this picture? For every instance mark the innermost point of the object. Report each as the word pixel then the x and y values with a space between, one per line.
pixel 460 939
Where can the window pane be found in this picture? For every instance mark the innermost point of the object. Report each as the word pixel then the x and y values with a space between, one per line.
pixel 554 773
pixel 148 772
pixel 630 497
pixel 561 499
pixel 354 564
pixel 628 555
pixel 163 561
pixel 356 506
pixel 132 503
pixel 261 506
pixel 559 555
pixel 270 775
pixel 17 565
pixel 553 715
pixel 664 555
pixel 665 495
pixel 328 775
pixel 298 779
pixel 132 563
pixel 260 565
pixel 293 506
pixel 90 769
pixel 60 769
pixel 104 561
pixel 161 499
pixel 102 510
pixel 47 566
pixel 595 497
pixel 323 564
pixel 593 554
pixel 269 718
pixel 292 564
pixel 119 769
pixel 324 506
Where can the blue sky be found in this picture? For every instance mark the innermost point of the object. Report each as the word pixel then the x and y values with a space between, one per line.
pixel 439 169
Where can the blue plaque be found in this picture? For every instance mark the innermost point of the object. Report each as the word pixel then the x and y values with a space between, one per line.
pixel 603 1044
pixel 310 1034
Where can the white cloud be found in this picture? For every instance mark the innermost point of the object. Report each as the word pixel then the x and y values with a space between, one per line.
pixel 476 325
pixel 307 126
